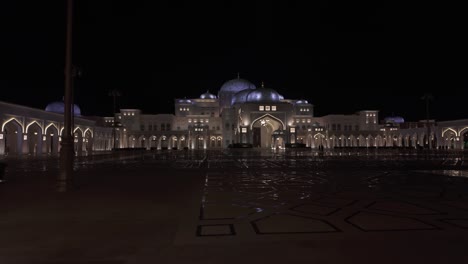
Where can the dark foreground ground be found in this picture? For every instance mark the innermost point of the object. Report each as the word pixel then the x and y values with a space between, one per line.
pixel 238 207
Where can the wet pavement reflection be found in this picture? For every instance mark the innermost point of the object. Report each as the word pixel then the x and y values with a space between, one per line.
pixel 300 191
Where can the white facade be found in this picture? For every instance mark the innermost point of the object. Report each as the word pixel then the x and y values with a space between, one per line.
pixel 241 115
pixel 26 130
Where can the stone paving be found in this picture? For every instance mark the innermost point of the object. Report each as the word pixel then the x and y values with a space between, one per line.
pixel 218 206
pixel 307 197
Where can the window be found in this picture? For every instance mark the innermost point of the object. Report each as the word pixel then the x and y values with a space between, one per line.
pixel 333 127
pixel 292 130
pixel 212 114
pixel 267 108
pixel 217 127
pixel 190 120
pixel 338 127
pixel 356 128
pixel 244 130
pixel 178 128
pixel 303 120
pixel 273 108
pixel 142 127
pixel 261 108
pixel 168 127
pixel 163 127
pixel 227 125
pixel 206 120
pixel 133 114
pixel 298 120
pixel 308 120
pixel 150 127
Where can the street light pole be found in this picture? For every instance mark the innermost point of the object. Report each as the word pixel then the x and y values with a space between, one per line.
pixel 114 93
pixel 427 97
pixel 66 156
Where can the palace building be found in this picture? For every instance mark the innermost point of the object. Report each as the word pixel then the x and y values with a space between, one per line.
pixel 240 114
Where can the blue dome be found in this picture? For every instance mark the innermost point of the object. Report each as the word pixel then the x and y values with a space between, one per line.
pixel 240 97
pixel 302 102
pixel 264 95
pixel 208 95
pixel 394 119
pixel 184 101
pixel 59 107
pixel 236 85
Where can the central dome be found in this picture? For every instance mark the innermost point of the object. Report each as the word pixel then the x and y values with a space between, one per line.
pixel 240 97
pixel 236 85
pixel 255 96
pixel 264 95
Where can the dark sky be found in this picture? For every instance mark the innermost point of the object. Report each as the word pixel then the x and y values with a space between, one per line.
pixel 340 57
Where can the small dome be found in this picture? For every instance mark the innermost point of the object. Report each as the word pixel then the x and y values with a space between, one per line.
pixel 208 95
pixel 184 101
pixel 236 85
pixel 394 119
pixel 59 107
pixel 302 102
pixel 264 95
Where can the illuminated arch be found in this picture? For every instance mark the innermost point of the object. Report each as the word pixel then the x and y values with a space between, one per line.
pixel 78 128
pixel 49 125
pixel 267 115
pixel 90 131
pixel 451 129
pixel 26 131
pixel 319 134
pixel 462 130
pixel 61 131
pixel 9 120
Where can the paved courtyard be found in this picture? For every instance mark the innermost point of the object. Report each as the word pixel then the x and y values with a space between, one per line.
pixel 232 206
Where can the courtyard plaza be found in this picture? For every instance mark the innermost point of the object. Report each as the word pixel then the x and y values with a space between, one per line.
pixel 233 206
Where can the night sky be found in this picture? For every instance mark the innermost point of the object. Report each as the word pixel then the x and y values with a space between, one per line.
pixel 342 58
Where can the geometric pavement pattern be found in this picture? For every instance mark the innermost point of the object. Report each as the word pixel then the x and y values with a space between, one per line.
pixel 274 199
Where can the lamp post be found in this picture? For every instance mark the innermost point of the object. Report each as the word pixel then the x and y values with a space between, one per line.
pixel 66 156
pixel 428 97
pixel 114 93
